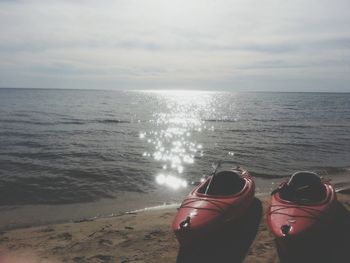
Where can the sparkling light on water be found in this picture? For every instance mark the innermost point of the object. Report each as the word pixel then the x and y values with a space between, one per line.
pixel 173 138
pixel 171 181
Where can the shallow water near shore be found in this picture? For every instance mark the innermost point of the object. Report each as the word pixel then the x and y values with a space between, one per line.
pixel 70 154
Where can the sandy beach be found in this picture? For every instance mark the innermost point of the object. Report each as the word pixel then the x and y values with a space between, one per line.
pixel 145 236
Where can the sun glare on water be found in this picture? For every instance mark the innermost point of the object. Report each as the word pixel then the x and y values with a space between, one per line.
pixel 174 133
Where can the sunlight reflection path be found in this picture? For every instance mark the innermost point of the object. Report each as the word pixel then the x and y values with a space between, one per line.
pixel 174 136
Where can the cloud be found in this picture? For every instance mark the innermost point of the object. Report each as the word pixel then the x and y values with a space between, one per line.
pixel 224 44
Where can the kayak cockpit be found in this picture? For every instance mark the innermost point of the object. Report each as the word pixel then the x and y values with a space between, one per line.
pixel 223 183
pixel 304 188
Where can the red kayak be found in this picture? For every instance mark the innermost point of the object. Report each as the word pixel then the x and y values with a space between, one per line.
pixel 222 197
pixel 302 207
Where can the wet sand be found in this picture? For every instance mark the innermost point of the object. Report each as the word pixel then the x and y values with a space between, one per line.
pixel 146 237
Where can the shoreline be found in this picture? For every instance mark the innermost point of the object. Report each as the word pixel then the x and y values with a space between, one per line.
pixel 19 217
pixel 139 236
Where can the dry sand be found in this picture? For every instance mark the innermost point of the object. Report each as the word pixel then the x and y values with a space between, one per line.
pixel 146 237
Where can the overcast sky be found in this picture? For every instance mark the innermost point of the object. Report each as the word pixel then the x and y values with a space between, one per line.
pixel 183 44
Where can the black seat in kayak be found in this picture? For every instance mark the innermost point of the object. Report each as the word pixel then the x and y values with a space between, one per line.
pixel 304 187
pixel 226 183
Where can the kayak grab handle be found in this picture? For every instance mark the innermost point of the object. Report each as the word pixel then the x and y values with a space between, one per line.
pixel 285 229
pixel 185 223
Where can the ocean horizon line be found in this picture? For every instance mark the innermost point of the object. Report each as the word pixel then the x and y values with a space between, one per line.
pixel 174 90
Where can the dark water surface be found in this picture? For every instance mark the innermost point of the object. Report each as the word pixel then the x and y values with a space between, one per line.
pixel 78 146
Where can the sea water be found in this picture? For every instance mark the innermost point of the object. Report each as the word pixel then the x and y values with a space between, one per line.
pixel 69 149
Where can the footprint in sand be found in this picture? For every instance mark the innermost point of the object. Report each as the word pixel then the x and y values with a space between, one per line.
pixel 166 215
pixel 47 229
pixel 57 250
pixel 102 258
pixel 79 259
pixel 153 235
pixel 105 242
pixel 4 239
pixel 65 236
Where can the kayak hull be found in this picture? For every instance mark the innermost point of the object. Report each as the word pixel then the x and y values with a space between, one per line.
pixel 207 214
pixel 292 222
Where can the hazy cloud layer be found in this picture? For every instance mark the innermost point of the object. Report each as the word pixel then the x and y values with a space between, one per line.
pixel 200 44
